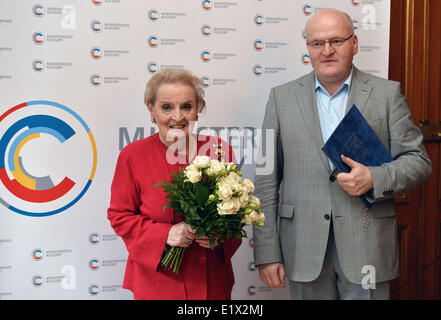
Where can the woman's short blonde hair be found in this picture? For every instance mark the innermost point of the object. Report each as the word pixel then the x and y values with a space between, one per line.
pixel 171 75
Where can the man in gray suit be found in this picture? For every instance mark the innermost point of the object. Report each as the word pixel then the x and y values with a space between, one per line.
pixel 317 230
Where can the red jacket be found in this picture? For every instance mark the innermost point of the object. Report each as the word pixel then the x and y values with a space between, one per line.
pixel 136 214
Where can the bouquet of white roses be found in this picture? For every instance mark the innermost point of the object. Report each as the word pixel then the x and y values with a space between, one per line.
pixel 214 200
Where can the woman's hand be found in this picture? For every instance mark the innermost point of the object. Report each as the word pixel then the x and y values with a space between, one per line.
pixel 205 243
pixel 180 235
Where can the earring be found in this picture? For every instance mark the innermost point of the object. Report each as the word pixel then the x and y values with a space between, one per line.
pixel 153 120
pixel 197 117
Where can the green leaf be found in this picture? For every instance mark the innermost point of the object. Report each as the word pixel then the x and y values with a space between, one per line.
pixel 201 195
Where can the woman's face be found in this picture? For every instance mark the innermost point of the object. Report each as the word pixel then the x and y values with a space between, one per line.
pixel 173 110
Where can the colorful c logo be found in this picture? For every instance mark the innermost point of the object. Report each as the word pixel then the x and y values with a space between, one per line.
pixel 307 10
pixel 206 5
pixel 153 41
pixel 26 188
pixel 305 59
pixel 258 45
pixel 97 2
pixel 38 38
pixel 205 56
pixel 37 254
pixel 94 264
pixel 96 53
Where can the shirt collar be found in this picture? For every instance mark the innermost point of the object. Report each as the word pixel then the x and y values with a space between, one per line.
pixel 347 83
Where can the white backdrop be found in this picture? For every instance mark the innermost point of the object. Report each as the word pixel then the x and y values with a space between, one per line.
pixel 72 77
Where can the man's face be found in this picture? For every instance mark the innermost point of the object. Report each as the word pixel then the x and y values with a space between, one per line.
pixel 331 64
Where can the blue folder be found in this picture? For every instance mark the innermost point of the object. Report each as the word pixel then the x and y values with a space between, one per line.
pixel 355 139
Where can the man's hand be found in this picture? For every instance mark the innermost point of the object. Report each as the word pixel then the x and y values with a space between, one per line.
pixel 358 181
pixel 272 274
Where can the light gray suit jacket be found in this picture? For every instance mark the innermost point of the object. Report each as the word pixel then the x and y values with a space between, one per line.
pixel 300 194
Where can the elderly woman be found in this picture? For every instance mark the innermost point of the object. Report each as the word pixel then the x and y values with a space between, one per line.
pixel 174 98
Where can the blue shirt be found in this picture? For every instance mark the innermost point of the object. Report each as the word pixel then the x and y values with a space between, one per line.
pixel 331 109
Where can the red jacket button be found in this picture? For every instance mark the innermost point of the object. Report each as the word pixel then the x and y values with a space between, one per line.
pixel 202 259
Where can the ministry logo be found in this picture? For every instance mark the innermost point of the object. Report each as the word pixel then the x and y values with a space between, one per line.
pixel 96 53
pixel 38 10
pixel 48 158
pixel 96 26
pixel 38 65
pixel 206 5
pixel 153 41
pixel 38 38
pixel 307 10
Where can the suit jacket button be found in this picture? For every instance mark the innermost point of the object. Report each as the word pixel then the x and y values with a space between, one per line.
pixel 202 259
pixel 332 178
pixel 327 217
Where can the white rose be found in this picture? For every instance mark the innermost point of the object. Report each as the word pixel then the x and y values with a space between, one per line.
pixel 253 216
pixel 193 176
pixel 201 161
pixel 248 185
pixel 261 217
pixel 230 206
pixel 232 180
pixel 215 168
pixel 192 167
pixel 225 191
pixel 243 199
pixel 254 200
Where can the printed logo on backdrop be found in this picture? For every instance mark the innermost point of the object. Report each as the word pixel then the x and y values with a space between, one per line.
pixel 155 15
pixel 154 41
pixel 208 55
pixel 207 5
pixel 38 10
pixel 38 65
pixel 98 3
pixel 356 2
pixel 96 80
pixel 39 280
pixel 260 20
pixel 252 290
pixel 40 38
pixel 259 45
pixel 96 264
pixel 98 25
pixel 48 158
pixel 95 238
pixel 68 13
pixel 207 30
pixel 97 53
pixel 39 254
pixel 307 10
pixel 355 23
pixel 258 70
pixel 305 59
pixel 153 67
pixel 207 81
pixel 96 289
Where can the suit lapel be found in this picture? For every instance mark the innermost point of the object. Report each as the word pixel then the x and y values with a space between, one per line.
pixel 306 94
pixel 360 91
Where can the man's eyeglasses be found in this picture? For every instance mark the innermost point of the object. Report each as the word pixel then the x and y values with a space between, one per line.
pixel 335 43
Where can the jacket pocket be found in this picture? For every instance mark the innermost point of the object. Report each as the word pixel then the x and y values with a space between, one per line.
pixel 286 211
pixel 384 214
